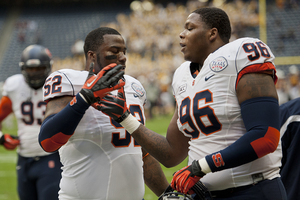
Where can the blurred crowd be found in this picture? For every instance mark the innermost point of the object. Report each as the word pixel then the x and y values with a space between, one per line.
pixel 152 32
pixel 288 86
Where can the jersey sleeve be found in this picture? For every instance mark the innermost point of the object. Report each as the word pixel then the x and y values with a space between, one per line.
pixel 11 84
pixel 135 97
pixel 254 56
pixel 65 82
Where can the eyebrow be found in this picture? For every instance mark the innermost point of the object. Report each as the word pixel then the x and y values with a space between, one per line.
pixel 117 47
pixel 186 24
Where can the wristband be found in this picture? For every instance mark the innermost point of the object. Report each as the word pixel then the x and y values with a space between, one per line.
pixel 130 123
pixel 204 165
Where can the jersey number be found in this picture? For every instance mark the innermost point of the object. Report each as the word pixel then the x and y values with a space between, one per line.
pixel 116 140
pixel 204 117
pixel 55 87
pixel 27 111
pixel 256 49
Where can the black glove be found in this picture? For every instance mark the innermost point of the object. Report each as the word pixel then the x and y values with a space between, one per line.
pixel 114 106
pixel 199 188
pixel 97 86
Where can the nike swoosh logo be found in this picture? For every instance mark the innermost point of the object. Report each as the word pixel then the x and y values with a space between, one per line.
pixel 206 78
pixel 91 83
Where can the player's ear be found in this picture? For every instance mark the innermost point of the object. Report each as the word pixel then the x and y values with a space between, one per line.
pixel 91 56
pixel 213 34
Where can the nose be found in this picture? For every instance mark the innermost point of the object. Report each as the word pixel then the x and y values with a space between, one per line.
pixel 122 58
pixel 181 35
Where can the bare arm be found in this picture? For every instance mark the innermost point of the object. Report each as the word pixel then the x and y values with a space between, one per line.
pixel 55 105
pixel 153 174
pixel 170 150
pixel 255 85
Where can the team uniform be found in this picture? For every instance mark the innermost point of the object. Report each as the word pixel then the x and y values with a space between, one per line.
pixel 289 120
pixel 209 111
pixel 101 161
pixel 35 167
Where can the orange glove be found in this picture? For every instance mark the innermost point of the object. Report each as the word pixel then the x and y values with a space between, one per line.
pixel 10 142
pixel 107 80
pixel 184 179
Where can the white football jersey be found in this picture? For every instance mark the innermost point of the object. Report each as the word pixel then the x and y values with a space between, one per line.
pixel 101 160
pixel 209 112
pixel 29 109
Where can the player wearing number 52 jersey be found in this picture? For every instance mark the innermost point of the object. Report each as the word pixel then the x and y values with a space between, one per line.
pixel 97 158
pixel 39 172
pixel 101 160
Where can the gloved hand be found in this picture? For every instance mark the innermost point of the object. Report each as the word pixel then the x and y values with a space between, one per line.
pixel 97 86
pixel 184 179
pixel 114 106
pixel 10 142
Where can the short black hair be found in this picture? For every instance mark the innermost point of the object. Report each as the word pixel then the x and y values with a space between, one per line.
pixel 216 18
pixel 95 38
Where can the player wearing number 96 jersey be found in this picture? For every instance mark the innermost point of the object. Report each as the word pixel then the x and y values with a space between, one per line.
pixel 210 114
pixel 226 117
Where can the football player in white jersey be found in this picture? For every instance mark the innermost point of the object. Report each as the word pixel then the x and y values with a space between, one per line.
pixel 101 160
pixel 38 172
pixel 227 114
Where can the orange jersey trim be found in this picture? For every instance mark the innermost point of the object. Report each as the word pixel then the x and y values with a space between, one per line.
pixel 266 144
pixel 5 107
pixel 267 68
pixel 55 142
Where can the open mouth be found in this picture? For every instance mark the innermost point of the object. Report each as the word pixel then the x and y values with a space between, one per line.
pixel 182 46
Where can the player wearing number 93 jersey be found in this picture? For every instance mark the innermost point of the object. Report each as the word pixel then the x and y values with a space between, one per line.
pixel 38 172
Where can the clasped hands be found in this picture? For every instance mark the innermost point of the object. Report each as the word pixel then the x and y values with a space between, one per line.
pixel 96 91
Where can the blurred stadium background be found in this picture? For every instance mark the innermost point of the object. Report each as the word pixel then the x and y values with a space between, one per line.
pixel 151 29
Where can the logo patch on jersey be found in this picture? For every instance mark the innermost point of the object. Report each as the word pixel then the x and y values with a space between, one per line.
pixel 182 89
pixel 218 64
pixel 138 89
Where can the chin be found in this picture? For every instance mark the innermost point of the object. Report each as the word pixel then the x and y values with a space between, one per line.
pixel 187 58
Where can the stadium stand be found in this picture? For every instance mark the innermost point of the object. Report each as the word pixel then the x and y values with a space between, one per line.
pixel 54 27
pixel 150 29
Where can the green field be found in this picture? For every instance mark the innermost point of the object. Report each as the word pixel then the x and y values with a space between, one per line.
pixel 8 188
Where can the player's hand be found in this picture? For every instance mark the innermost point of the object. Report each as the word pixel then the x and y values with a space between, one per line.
pixel 114 106
pixel 184 179
pixel 97 86
pixel 10 142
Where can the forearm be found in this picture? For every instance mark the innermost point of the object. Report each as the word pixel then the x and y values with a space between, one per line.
pixel 154 176
pixel 261 119
pixel 157 145
pixel 58 128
